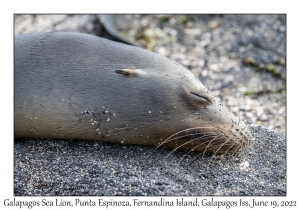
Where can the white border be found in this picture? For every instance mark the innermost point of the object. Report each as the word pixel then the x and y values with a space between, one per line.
pixel 153 6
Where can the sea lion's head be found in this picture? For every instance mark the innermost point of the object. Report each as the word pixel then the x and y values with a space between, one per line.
pixel 184 115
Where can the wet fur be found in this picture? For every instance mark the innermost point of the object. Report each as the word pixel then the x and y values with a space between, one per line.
pixel 76 86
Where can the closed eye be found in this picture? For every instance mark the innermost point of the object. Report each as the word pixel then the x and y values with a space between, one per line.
pixel 202 98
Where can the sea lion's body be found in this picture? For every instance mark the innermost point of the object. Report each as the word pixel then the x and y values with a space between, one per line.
pixel 76 86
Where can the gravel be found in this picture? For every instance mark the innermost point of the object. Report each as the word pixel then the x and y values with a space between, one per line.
pixel 75 167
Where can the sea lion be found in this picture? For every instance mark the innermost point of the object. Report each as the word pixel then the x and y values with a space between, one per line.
pixel 77 86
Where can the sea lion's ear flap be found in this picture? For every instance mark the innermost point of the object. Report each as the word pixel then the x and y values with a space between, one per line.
pixel 129 72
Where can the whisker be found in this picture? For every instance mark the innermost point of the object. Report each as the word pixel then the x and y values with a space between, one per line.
pixel 219 149
pixel 188 130
pixel 193 140
pixel 193 149
pixel 188 135
pixel 156 147
pixel 228 150
pixel 198 146
pixel 209 144
pixel 220 139
pixel 169 138
pixel 233 153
